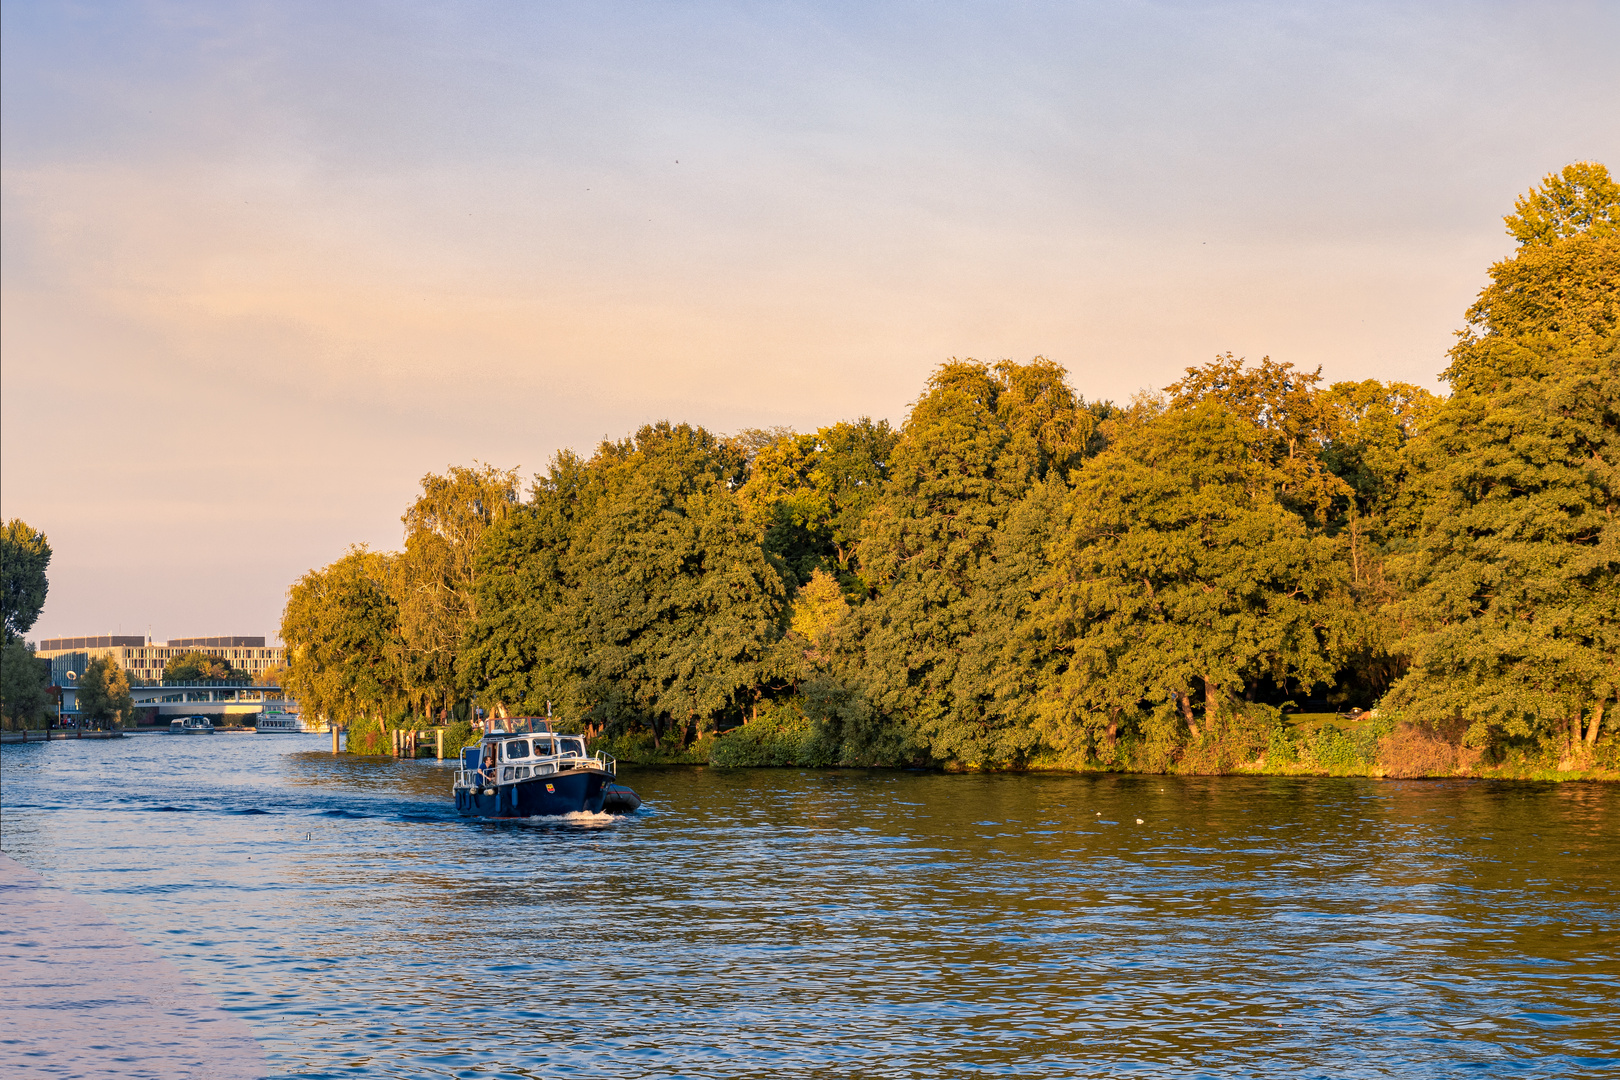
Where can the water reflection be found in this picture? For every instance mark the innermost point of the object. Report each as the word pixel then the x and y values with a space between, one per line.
pixel 837 923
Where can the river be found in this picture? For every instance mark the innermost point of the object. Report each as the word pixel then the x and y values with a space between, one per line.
pixel 849 923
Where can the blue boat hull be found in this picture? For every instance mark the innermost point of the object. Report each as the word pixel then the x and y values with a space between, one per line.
pixel 545 796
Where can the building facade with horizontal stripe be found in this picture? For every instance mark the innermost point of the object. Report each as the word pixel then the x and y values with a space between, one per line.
pixel 144 660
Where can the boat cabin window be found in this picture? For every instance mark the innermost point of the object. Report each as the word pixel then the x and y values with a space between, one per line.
pixel 544 748
pixel 516 749
pixel 573 746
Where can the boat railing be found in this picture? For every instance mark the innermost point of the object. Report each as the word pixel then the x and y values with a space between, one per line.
pixel 511 772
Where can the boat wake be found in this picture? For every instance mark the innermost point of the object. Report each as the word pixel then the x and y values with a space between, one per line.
pixel 577 817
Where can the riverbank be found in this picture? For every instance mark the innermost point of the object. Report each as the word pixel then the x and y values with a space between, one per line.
pixel 55 734
pixel 1306 744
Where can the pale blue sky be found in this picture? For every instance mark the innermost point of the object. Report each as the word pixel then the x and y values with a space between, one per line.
pixel 265 264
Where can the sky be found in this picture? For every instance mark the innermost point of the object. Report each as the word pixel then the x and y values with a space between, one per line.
pixel 264 266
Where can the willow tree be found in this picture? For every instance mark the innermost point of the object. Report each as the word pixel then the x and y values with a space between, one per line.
pixel 435 580
pixel 1182 568
pixel 341 631
pixel 1512 586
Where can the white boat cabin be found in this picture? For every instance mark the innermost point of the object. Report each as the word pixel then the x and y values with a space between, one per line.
pixel 508 758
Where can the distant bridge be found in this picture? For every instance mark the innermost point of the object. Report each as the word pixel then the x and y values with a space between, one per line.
pixel 219 701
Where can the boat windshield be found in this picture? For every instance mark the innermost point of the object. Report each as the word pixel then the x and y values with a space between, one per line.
pixel 544 748
pixel 573 746
pixel 516 749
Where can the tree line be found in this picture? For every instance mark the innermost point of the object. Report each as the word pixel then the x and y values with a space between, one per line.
pixel 1017 575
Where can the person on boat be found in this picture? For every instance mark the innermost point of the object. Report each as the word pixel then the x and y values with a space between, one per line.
pixel 489 762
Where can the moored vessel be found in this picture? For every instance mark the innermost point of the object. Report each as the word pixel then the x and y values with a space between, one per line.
pixel 526 769
pixel 191 725
pixel 274 721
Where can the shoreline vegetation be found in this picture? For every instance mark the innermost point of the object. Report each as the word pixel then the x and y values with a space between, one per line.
pixel 1306 745
pixel 1017 578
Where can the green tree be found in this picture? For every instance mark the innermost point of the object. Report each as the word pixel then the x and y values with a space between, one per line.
pixel 514 657
pixel 1510 593
pixel 341 629
pixel 1369 425
pixel 1334 457
pixel 675 611
pixel 1289 419
pixel 198 666
pixel 1511 589
pixel 1181 568
pixel 435 582
pixel 808 494
pixel 971 450
pixel 103 696
pixel 25 555
pixel 24 699
pixel 1579 200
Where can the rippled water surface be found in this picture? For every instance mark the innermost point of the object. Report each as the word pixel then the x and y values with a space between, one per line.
pixel 842 923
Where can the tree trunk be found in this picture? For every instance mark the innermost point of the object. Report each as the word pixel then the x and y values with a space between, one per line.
pixel 1212 699
pixel 1592 724
pixel 1185 701
pixel 657 742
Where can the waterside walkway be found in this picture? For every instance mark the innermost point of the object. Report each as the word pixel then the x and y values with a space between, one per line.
pixel 79 998
pixel 57 733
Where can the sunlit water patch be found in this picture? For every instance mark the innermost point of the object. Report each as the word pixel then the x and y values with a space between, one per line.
pixel 788 923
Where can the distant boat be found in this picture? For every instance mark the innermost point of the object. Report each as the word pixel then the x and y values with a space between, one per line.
pixel 279 722
pixel 532 771
pixel 191 725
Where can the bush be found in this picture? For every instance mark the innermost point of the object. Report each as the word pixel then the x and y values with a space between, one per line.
pixel 1233 738
pixel 781 736
pixel 1333 748
pixel 369 737
pixel 458 736
pixel 1155 746
pixel 1281 749
pixel 1413 750
pixel 636 748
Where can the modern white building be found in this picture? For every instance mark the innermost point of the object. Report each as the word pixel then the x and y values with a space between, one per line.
pixel 144 660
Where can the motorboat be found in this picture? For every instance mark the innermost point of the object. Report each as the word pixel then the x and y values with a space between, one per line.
pixel 191 725
pixel 524 768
